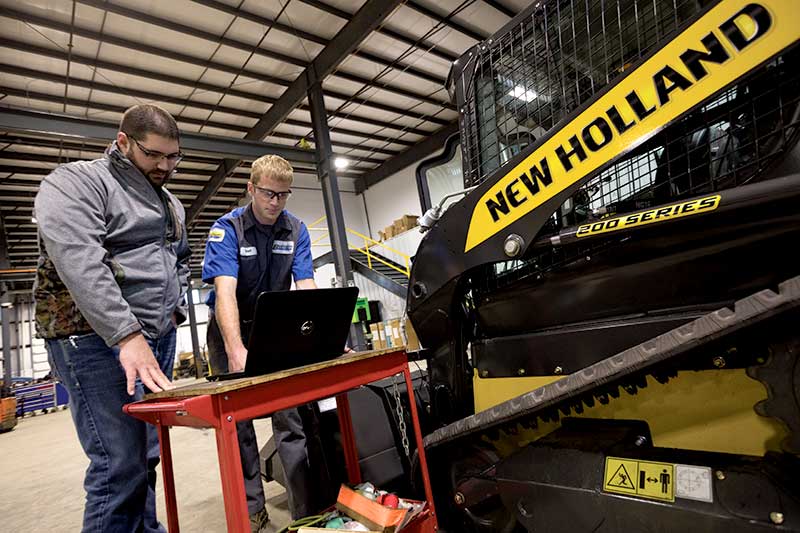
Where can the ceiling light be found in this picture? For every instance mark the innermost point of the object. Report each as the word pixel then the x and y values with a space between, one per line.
pixel 341 162
pixel 521 93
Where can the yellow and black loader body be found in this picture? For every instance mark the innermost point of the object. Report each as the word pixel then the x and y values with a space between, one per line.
pixel 610 316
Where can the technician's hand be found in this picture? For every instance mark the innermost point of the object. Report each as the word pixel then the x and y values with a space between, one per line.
pixel 237 358
pixel 137 359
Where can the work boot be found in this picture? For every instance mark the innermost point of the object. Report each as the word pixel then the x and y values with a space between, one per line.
pixel 259 520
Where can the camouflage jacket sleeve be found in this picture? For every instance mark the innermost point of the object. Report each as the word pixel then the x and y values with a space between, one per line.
pixel 70 210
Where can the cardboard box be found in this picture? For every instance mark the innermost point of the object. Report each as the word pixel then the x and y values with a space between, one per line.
pixel 382 335
pixel 412 341
pixel 372 514
pixel 394 331
pixel 408 221
pixel 389 232
pixel 377 343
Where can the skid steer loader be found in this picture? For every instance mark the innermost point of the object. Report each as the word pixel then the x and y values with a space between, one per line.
pixel 611 314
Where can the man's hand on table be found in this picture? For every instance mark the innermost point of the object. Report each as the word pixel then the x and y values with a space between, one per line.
pixel 137 359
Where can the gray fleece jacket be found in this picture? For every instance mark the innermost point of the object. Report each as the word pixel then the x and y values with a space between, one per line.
pixel 114 256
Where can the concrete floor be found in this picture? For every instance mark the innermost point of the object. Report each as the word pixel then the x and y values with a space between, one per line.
pixel 42 467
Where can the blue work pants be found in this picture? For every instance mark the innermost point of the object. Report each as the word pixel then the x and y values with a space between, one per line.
pixel 123 452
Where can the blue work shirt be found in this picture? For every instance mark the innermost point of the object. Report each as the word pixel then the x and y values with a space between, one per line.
pixel 223 252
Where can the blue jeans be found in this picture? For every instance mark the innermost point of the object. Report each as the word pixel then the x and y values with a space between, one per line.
pixel 123 451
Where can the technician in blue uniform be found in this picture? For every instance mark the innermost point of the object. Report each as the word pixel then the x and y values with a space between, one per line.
pixel 256 248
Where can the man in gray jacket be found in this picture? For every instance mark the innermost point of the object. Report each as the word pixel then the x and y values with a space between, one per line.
pixel 111 280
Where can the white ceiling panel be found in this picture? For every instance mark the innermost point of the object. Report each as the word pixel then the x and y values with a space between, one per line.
pixel 419 25
pixel 130 29
pixel 243 83
pixel 256 64
pixel 391 49
pixel 152 62
pixel 273 39
pixel 297 15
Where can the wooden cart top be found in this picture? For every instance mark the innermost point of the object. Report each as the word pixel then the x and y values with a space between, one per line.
pixel 201 388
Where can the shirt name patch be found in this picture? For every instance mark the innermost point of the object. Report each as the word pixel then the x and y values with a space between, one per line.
pixel 248 251
pixel 216 235
pixel 283 247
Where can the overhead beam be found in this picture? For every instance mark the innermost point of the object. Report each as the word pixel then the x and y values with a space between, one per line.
pixel 426 46
pixel 76 128
pixel 182 172
pixel 199 61
pixel 98 147
pixel 35 95
pixel 368 17
pixel 416 153
pixel 18 70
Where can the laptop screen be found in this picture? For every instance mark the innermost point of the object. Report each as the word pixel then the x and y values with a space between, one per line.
pixel 296 328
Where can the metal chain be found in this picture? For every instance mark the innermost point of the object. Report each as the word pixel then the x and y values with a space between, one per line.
pixel 400 416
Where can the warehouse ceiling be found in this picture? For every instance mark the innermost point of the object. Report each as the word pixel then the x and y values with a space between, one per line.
pixel 234 74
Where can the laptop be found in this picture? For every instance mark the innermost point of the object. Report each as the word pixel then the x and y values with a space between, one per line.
pixel 296 328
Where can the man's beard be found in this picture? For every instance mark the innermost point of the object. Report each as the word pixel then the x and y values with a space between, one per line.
pixel 157 178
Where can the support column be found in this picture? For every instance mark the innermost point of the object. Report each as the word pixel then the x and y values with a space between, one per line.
pixel 6 319
pixel 31 320
pixel 198 367
pixel 326 170
pixel 19 340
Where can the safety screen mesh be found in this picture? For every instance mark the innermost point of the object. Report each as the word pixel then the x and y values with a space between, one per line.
pixel 545 66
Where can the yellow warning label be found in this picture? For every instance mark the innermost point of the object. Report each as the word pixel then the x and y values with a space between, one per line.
pixel 620 475
pixel 644 479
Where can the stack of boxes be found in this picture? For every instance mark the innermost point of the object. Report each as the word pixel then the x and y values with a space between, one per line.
pixel 401 225
pixel 392 333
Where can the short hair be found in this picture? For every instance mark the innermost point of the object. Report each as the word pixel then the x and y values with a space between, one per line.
pixel 143 119
pixel 273 165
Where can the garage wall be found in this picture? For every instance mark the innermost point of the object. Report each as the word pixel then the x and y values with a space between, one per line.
pixel 392 198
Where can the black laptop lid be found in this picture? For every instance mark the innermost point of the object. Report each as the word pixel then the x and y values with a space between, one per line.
pixel 300 327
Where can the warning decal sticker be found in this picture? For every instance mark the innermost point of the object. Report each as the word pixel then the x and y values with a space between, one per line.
pixel 644 479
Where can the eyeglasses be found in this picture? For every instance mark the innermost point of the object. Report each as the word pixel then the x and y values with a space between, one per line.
pixel 270 194
pixel 156 156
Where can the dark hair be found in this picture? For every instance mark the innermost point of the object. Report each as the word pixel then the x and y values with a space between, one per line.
pixel 142 119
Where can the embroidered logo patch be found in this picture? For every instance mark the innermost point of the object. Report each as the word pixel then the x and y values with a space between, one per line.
pixel 248 251
pixel 283 247
pixel 216 235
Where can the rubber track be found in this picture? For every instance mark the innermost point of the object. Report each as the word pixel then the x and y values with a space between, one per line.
pixel 634 362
